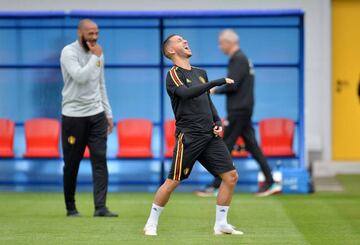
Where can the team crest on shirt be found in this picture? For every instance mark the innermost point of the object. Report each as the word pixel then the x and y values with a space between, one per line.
pixel 186 171
pixel 71 140
pixel 188 80
pixel 202 79
pixel 98 63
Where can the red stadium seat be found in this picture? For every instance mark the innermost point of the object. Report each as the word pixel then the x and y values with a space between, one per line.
pixel 87 152
pixel 42 138
pixel 242 153
pixel 7 132
pixel 169 130
pixel 277 136
pixel 134 137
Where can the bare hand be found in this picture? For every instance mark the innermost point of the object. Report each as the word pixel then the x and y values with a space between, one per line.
pixel 95 49
pixel 110 125
pixel 217 130
pixel 212 90
pixel 229 81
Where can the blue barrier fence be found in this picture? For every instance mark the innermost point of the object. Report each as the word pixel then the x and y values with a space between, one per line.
pixel 31 43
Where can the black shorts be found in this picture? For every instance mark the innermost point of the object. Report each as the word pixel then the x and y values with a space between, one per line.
pixel 209 150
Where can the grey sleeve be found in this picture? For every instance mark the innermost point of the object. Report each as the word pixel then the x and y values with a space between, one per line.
pixel 104 97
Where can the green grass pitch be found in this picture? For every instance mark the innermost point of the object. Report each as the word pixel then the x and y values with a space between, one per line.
pixel 321 218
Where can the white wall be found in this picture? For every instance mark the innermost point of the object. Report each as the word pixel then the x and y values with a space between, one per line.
pixel 317 46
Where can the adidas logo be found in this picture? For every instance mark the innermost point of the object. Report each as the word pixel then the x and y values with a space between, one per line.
pixel 222 210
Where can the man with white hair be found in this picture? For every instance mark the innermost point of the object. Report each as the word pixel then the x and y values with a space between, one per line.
pixel 239 105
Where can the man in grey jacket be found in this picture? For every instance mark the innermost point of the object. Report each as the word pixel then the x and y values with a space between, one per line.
pixel 86 115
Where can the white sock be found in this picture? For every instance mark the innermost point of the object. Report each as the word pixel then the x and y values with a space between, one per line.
pixel 154 214
pixel 221 215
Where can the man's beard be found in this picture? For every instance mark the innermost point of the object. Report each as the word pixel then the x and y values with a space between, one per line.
pixel 84 44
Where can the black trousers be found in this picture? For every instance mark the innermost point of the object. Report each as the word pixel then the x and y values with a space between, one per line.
pixel 241 125
pixel 77 132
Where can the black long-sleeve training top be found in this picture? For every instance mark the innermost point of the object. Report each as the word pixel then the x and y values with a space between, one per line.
pixel 190 100
pixel 239 95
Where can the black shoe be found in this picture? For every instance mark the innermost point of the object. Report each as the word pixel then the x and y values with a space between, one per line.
pixel 72 213
pixel 104 212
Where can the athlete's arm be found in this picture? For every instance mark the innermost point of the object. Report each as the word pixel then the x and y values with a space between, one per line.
pixel 175 85
pixel 216 118
pixel 104 96
pixel 191 92
pixel 105 103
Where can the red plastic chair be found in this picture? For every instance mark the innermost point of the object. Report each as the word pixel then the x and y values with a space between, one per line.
pixel 277 135
pixel 170 139
pixel 242 153
pixel 42 138
pixel 7 132
pixel 134 137
pixel 87 152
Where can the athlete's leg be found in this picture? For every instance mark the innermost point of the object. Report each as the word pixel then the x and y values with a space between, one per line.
pixel 164 192
pixel 217 160
pixel 226 190
pixel 227 186
pixel 183 161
